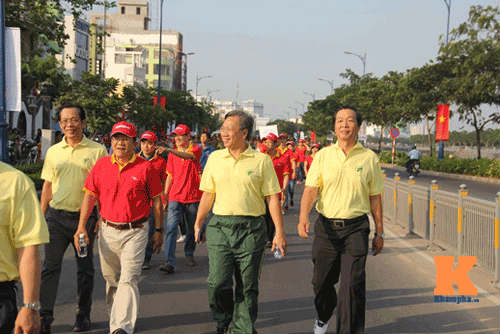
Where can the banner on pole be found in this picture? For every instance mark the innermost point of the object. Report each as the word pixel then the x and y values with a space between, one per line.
pixel 13 69
pixel 442 122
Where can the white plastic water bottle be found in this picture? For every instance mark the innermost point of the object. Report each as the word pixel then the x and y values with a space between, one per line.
pixel 83 246
pixel 277 254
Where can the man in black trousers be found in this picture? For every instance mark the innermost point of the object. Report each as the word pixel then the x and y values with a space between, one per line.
pixel 348 181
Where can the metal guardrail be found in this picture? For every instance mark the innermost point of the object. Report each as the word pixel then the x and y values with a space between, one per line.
pixel 466 225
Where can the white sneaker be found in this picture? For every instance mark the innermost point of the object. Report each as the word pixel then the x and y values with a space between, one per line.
pixel 181 238
pixel 320 327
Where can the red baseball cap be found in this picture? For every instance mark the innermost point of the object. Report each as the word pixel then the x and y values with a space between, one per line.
pixel 272 137
pixel 302 141
pixel 182 129
pixel 149 135
pixel 315 145
pixel 283 134
pixel 290 142
pixel 126 128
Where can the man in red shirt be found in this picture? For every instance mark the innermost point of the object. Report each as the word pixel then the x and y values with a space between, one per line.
pixel 301 158
pixel 149 152
pixel 183 195
pixel 281 164
pixel 125 186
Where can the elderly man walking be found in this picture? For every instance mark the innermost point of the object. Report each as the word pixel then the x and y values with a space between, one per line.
pixel 239 180
pixel 126 187
pixel 347 179
pixel 65 169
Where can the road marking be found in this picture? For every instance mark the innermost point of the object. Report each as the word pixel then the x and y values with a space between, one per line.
pixel 482 292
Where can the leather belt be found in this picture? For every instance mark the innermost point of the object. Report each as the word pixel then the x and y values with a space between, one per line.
pixel 127 226
pixel 337 222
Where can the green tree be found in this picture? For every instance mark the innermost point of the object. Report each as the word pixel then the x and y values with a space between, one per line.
pixel 180 107
pixel 42 23
pixel 285 126
pixel 99 98
pixel 473 56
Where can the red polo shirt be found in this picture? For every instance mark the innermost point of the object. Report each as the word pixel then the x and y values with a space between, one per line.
pixel 124 193
pixel 185 187
pixel 281 163
pixel 301 153
pixel 159 164
pixel 309 160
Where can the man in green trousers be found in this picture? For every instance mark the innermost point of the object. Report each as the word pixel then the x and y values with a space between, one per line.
pixel 239 180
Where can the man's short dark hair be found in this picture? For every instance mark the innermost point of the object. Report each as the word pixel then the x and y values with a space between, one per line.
pixel 71 105
pixel 246 121
pixel 359 117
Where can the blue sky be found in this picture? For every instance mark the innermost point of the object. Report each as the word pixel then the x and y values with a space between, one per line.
pixel 276 49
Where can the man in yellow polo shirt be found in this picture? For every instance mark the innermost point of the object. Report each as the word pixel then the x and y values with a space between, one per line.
pixel 22 229
pixel 65 169
pixel 347 180
pixel 239 179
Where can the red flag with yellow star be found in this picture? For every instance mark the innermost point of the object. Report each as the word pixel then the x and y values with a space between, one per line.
pixel 442 122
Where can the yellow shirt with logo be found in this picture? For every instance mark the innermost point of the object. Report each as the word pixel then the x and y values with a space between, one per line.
pixel 239 185
pixel 67 168
pixel 22 223
pixel 345 182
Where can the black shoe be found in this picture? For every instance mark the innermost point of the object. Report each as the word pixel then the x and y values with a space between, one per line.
pixel 167 268
pixel 119 331
pixel 146 265
pixel 291 203
pixel 82 324
pixel 45 328
pixel 222 330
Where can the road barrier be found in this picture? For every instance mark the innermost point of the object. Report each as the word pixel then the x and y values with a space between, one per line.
pixel 455 221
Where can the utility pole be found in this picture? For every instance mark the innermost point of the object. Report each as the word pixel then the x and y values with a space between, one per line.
pixel 361 57
pixel 159 56
pixel 448 7
pixel 4 154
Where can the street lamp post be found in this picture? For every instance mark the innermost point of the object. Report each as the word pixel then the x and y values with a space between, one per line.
pixel 198 79
pixel 210 92
pixel 448 7
pixel 312 95
pixel 159 56
pixel 330 82
pixel 303 105
pixel 184 81
pixel 361 57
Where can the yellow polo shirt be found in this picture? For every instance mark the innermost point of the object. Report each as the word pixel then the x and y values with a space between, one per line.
pixel 239 185
pixel 21 220
pixel 67 168
pixel 345 182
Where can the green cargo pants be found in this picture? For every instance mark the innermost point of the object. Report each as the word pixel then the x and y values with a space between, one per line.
pixel 235 246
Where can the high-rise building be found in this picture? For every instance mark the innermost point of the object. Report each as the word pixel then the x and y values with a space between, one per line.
pixel 129 28
pixel 75 56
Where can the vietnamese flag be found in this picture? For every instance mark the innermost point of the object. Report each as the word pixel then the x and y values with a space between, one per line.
pixel 442 122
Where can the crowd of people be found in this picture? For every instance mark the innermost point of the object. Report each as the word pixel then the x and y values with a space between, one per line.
pixel 132 197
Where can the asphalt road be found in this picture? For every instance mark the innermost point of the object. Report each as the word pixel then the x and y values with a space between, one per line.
pixel 486 191
pixel 400 284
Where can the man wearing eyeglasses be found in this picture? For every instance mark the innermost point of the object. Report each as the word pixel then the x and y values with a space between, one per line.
pixel 65 169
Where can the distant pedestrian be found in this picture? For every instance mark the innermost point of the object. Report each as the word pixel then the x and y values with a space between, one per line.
pixel 347 181
pixel 239 180
pixel 126 187
pixel 183 194
pixel 293 174
pixel 22 229
pixel 65 169
pixel 149 152
pixel 206 148
pixel 309 159
pixel 300 151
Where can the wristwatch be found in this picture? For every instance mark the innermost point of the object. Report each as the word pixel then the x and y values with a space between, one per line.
pixel 35 306
pixel 159 229
pixel 380 235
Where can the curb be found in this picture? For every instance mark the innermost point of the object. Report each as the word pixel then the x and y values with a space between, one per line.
pixel 490 180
